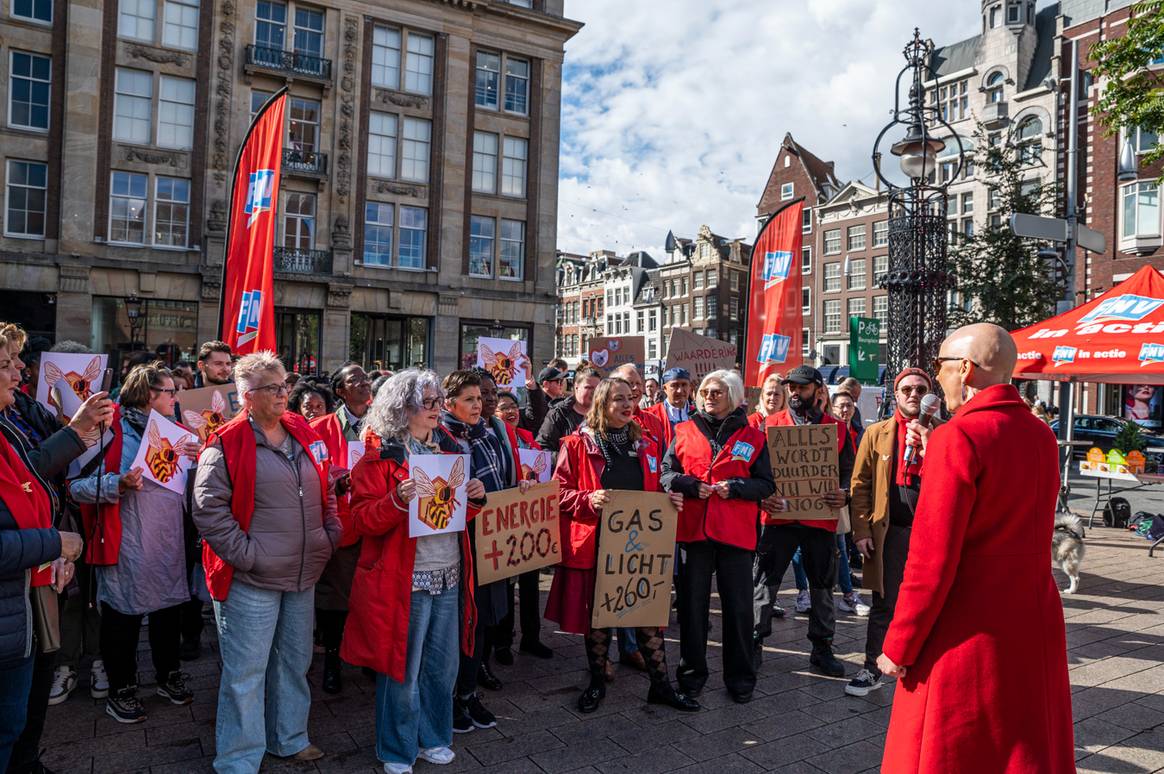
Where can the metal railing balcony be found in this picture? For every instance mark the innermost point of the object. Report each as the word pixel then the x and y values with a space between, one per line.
pixel 294 260
pixel 304 162
pixel 292 62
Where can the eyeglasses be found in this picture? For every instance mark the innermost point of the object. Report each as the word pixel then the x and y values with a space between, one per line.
pixel 274 390
pixel 431 404
pixel 711 393
pixel 171 392
pixel 357 381
pixel 937 364
pixel 909 389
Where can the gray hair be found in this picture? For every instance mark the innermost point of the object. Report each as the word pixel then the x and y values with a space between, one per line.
pixel 250 368
pixel 729 379
pixel 625 368
pixel 399 399
pixel 69 346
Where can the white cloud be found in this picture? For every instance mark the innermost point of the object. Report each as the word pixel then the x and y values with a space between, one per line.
pixel 673 109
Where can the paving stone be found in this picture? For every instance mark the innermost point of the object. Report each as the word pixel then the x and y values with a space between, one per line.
pixel 842 760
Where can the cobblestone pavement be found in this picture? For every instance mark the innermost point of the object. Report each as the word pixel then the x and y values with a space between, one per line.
pixel 797 722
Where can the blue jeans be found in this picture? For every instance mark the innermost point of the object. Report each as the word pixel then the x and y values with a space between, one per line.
pixel 798 572
pixel 627 645
pixel 263 698
pixel 844 574
pixel 15 683
pixel 418 713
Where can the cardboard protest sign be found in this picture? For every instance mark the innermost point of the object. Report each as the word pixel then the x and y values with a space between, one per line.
pixel 636 552
pixel 536 465
pixel 609 352
pixel 700 355
pixel 67 380
pixel 206 409
pixel 518 532
pixel 440 501
pixel 159 455
pixel 806 468
pixel 503 359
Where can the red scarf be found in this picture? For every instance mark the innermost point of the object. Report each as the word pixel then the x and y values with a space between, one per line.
pixel 905 473
pixel 27 502
pixel 102 521
pixel 239 448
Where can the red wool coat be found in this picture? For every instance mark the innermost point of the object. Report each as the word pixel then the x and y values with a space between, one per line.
pixel 579 472
pixel 376 633
pixel 979 621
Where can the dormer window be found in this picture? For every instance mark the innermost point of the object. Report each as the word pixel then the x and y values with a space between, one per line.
pixel 1013 13
pixel 994 88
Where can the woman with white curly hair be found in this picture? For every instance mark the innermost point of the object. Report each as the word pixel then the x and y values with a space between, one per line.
pixel 412 598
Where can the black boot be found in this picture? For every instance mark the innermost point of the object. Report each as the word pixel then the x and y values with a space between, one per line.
pixel 486 678
pixel 333 681
pixel 823 660
pixel 665 693
pixel 593 695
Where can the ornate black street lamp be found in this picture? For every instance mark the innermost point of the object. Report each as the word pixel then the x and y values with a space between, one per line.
pixel 133 309
pixel 918 279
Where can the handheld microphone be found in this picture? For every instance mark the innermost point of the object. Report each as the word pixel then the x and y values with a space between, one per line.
pixel 929 409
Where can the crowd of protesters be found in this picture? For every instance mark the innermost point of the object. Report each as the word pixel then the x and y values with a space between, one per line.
pixel 294 553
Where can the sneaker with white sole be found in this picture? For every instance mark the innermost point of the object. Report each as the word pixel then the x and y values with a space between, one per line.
pixel 852 603
pixel 803 601
pixel 98 680
pixel 441 756
pixel 64 681
pixel 397 768
pixel 124 707
pixel 863 684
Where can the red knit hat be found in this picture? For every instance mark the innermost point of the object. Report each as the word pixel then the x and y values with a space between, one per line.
pixel 911 371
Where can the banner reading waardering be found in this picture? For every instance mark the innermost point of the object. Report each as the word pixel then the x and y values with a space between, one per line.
pixel 774 337
pixel 247 312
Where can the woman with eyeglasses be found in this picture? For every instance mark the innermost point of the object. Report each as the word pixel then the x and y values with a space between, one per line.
pixel 719 463
pixel 265 506
pixel 509 411
pixel 144 570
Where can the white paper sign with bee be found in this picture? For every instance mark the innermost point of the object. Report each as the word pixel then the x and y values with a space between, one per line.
pixel 67 380
pixel 160 454
pixel 441 498
pixel 503 359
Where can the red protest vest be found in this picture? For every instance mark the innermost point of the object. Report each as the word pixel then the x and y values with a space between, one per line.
pixel 329 430
pixel 102 521
pixel 784 418
pixel 652 426
pixel 239 448
pixel 27 502
pixel 731 521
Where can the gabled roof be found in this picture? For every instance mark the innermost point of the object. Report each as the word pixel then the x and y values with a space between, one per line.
pixel 853 190
pixel 819 172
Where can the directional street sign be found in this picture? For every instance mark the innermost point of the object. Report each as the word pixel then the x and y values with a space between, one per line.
pixel 864 338
pixel 1055 230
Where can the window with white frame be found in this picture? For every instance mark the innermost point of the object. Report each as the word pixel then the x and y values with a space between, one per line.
pixel 1030 142
pixel 880 265
pixel 25 198
pixel 303 124
pixel 953 100
pixel 806 260
pixel 805 347
pixel 180 24
pixel 734 281
pixel 386 57
pixel 485 162
pixel 33 10
pixel 1141 210
pixel 171 211
pixel 856 237
pixel 806 221
pixel 857 307
pixel 881 233
pixel 413 237
pixel 382 144
pixel 378 223
pixel 806 299
pixel 712 307
pixel 994 86
pixel 418 64
pixel 513 166
pixel 1143 141
pixel 786 191
pixel 487 89
pixel 967 202
pixel 308 31
pixel 832 241
pixel 832 277
pixel 697 281
pixel 29 88
pixel 270 24
pixel 734 308
pixel 712 278
pixel 832 316
pixel 511 260
pixel 299 221
pixel 482 234
pixel 175 112
pixel 127 207
pixel 414 149
pixel 516 85
pixel 135 19
pixel 857 277
pixel 698 312
pixel 132 105
pixel 881 309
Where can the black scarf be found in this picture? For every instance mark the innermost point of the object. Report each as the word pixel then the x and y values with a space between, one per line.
pixel 718 431
pixel 485 451
pixel 614 444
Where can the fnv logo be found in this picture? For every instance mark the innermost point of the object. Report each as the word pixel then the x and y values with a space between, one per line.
pixel 777 264
pixel 259 192
pixel 248 316
pixel 1126 308
pixel 1063 355
pixel 1151 353
pixel 773 348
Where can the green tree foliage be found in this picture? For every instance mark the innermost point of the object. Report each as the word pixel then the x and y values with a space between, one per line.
pixel 1133 93
pixel 998 276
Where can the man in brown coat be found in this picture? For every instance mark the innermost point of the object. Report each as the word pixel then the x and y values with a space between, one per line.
pixel 884 495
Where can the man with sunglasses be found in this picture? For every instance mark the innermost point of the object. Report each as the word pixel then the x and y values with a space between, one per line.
pixel 884 497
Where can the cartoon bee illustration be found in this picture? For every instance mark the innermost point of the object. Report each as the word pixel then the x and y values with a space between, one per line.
pixel 534 472
pixel 81 384
pixel 500 365
pixel 437 497
pixel 206 422
pixel 161 457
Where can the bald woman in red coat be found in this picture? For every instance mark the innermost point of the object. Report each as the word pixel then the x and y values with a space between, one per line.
pixel 977 641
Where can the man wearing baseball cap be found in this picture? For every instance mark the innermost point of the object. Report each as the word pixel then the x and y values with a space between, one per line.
pixel 553 383
pixel 816 539
pixel 884 497
pixel 676 405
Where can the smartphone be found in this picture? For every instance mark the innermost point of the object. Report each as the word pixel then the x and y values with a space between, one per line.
pixel 107 380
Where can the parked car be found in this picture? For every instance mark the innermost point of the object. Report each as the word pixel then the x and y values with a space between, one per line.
pixel 1099 430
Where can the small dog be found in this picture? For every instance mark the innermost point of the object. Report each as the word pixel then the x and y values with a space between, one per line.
pixel 1067 547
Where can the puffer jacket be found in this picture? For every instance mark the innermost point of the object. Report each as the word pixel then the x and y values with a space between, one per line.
pixel 290 538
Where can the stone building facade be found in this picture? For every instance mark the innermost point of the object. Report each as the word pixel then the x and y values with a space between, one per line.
pixel 419 195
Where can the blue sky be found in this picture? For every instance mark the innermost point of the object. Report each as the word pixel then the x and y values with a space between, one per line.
pixel 673 109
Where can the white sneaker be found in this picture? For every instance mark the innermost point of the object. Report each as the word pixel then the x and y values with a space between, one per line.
pixel 852 603
pixel 863 684
pixel 64 681
pixel 438 755
pixel 98 680
pixel 397 768
pixel 803 601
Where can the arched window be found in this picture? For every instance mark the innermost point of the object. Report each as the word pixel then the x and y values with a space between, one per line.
pixel 994 88
pixel 995 16
pixel 1029 136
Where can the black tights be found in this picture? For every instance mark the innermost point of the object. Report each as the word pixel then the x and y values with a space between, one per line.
pixel 651 645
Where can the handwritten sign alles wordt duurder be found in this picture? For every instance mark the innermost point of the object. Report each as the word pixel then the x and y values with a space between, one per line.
pixel 518 532
pixel 805 467
pixel 636 560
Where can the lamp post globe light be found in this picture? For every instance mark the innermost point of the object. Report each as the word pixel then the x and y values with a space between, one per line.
pixel 918 279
